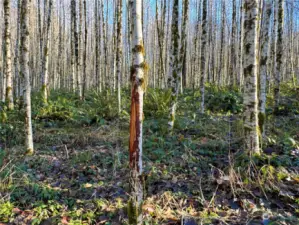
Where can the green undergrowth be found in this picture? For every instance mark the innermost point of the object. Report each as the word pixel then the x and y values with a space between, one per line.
pixel 79 172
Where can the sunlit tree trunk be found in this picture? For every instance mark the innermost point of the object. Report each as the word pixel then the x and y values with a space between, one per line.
pixel 97 46
pixel 105 43
pixel 138 77
pixel 60 50
pixel 73 60
pixel 250 69
pixel 80 51
pixel 232 65
pixel 76 44
pixel 24 73
pixel 173 78
pixel 279 52
pixel 45 66
pixel 184 43
pixel 160 25
pixel 119 52
pixel 264 39
pixel 7 48
pixel 195 49
pixel 204 37
pixel 241 36
pixel 114 44
pixel 16 59
pixel 40 35
pixel 85 49
pixel 3 79
pixel 222 46
pixel 292 47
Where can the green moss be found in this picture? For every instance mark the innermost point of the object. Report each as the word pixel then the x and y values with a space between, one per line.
pixel 8 89
pixel 132 72
pixel 138 49
pixel 261 121
pixel 133 212
pixel 143 81
pixel 44 89
pixel 144 66
pixel 29 151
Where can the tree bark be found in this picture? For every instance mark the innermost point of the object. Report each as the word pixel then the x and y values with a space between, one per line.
pixel 174 70
pixel 8 69
pixel 267 11
pixel 138 73
pixel 204 35
pixel 24 73
pixel 279 53
pixel 250 67
pixel 45 77
pixel 119 52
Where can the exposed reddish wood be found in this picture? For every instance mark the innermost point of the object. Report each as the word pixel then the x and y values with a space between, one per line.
pixel 134 126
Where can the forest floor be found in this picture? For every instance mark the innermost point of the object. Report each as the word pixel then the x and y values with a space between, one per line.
pixel 79 172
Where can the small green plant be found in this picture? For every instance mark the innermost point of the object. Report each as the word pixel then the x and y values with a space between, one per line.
pixel 223 100
pixel 5 211
pixel 157 103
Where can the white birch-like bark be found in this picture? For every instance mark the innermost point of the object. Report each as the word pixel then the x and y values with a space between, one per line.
pixel 85 49
pixel 24 73
pixel 138 88
pixel 267 8
pixel 119 52
pixel 16 59
pixel 73 61
pixel 241 39
pixel 7 54
pixel 45 76
pixel 183 43
pixel 250 71
pixel 279 52
pixel 174 74
pixel 233 62
pixel 97 47
pixel 204 37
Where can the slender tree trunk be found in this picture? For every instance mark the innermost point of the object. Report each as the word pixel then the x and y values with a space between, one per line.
pixel 273 46
pixel 184 43
pixel 232 73
pixel 3 77
pixel 85 49
pixel 241 40
pixel 114 44
pixel 119 52
pixel 8 72
pixel 60 50
pixel 105 43
pixel 45 77
pixel 204 37
pixel 222 47
pixel 264 61
pixel 174 79
pixel 195 50
pixel 80 51
pixel 250 67
pixel 279 53
pixel 40 34
pixel 73 60
pixel 24 73
pixel 76 43
pixel 292 48
pixel 16 60
pixel 97 46
pixel 138 73
pixel 161 34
